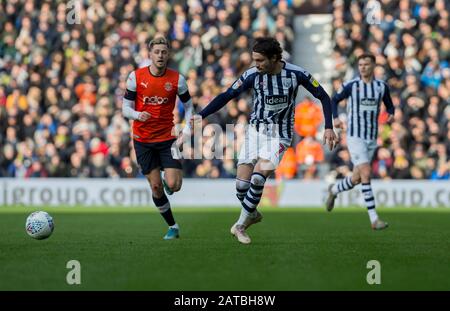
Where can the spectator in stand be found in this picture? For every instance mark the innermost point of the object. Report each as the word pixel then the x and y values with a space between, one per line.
pixel 442 173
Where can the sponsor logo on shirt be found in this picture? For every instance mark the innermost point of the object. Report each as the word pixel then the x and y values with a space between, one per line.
pixel 276 102
pixel 368 102
pixel 155 100
pixel 276 99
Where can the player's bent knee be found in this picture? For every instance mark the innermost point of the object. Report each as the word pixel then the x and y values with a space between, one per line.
pixel 174 185
pixel 177 187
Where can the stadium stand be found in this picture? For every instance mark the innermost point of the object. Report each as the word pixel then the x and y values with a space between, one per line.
pixel 61 84
pixel 411 43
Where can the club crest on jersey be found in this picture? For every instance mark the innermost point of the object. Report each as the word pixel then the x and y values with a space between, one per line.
pixel 168 86
pixel 287 83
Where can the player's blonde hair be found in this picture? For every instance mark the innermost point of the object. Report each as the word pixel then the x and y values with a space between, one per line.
pixel 159 40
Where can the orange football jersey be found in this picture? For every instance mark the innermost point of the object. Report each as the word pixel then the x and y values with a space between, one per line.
pixel 156 95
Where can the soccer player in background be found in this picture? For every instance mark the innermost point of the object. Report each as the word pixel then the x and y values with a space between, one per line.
pixel 275 84
pixel 364 94
pixel 149 101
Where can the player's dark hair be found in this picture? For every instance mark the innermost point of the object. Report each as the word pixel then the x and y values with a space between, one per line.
pixel 367 55
pixel 158 40
pixel 268 47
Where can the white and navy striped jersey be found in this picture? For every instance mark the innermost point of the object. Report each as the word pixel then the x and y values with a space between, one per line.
pixel 274 98
pixel 363 106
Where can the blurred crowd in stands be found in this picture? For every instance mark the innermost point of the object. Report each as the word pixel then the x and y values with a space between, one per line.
pixel 411 42
pixel 61 83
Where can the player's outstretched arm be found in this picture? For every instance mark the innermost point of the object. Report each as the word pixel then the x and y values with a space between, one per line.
pixel 313 86
pixel 244 82
pixel 218 103
pixel 329 137
pixel 215 105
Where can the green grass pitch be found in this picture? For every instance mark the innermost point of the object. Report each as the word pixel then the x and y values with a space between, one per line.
pixel 292 249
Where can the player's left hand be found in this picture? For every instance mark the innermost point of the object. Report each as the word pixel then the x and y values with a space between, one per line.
pixel 330 139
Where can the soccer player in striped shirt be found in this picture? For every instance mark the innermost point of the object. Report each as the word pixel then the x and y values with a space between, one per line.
pixel 364 95
pixel 275 84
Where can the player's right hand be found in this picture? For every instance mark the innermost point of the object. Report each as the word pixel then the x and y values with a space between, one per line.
pixel 144 116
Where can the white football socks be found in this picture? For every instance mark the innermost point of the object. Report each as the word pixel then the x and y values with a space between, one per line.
pixel 245 215
pixel 373 215
pixel 175 226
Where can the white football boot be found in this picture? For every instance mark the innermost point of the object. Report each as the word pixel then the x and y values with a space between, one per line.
pixel 239 232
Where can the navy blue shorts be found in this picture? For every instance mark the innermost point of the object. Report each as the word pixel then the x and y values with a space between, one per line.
pixel 155 155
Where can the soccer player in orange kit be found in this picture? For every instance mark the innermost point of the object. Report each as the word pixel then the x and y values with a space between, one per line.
pixel 149 101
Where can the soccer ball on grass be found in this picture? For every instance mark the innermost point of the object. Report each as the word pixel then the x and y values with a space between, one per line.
pixel 39 225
